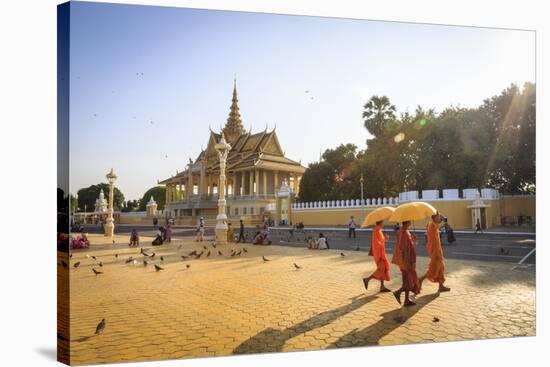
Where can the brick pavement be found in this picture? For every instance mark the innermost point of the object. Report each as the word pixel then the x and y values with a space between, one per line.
pixel 225 305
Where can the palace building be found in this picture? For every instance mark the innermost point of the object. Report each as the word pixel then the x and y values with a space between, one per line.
pixel 256 169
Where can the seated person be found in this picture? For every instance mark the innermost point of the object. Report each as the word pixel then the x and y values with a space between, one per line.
pixel 258 238
pixel 322 243
pixel 159 240
pixel 134 238
pixel 311 243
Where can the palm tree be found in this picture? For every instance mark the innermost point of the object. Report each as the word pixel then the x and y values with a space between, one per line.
pixel 378 111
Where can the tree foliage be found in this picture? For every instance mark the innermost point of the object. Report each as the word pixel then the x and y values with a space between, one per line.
pixel 492 145
pixel 87 197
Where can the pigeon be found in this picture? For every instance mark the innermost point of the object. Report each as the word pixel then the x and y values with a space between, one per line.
pixel 435 319
pixel 76 264
pixel 113 242
pixel 100 327
pixel 233 254
pixel 358 249
pixel 204 247
pixel 187 266
pixel 93 257
pixel 220 253
pixel 193 253
pixel 97 272
pixel 162 258
pixel 116 256
pixel 158 268
pixel 199 255
pixel 208 254
pixel 130 259
pixel 71 255
pixel 503 251
pixel 63 263
pixel 141 251
pixel 239 253
pixel 245 250
pixel 179 247
pixel 145 262
pixel 265 259
pixel 153 255
pixel 342 254
pixel 183 257
pixel 213 244
pixel 100 264
pixel 297 266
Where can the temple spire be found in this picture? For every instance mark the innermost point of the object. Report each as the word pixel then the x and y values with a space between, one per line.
pixel 234 126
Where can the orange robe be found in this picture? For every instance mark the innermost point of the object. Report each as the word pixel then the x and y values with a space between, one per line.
pixel 404 256
pixel 378 249
pixel 436 269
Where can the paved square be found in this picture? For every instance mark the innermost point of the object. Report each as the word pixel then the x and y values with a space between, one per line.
pixel 224 305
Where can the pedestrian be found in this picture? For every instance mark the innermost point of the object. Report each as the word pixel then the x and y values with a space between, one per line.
pixel 200 230
pixel 436 268
pixel 351 227
pixel 404 256
pixel 378 249
pixel 241 232
pixel 449 232
pixel 478 227
pixel 168 233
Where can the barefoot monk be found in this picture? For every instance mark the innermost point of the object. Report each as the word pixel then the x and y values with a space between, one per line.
pixel 378 252
pixel 436 269
pixel 405 257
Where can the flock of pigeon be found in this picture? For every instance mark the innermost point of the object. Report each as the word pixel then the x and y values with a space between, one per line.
pixel 148 257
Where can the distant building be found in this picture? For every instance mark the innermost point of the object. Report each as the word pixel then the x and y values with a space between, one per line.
pixel 256 168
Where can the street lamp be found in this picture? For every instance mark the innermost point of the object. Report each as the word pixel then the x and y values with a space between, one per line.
pixel 221 225
pixel 110 223
pixel 362 180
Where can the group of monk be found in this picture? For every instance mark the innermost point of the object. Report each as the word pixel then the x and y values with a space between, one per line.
pixel 404 256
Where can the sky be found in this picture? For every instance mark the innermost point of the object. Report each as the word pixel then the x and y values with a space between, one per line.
pixel 146 82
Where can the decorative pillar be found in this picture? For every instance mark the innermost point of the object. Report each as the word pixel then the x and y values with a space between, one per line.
pixel 221 226
pixel 203 171
pixel 251 183
pixel 189 181
pixel 110 223
pixel 257 180
pixel 241 189
pixel 275 181
pixel 264 179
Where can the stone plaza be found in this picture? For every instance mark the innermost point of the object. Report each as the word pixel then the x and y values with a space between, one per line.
pixel 224 305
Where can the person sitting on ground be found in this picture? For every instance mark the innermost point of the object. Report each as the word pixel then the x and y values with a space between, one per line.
pixel 258 238
pixel 311 244
pixel 266 237
pixel 322 243
pixel 159 240
pixel 134 238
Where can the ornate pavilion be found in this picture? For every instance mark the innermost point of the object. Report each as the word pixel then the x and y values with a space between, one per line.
pixel 256 169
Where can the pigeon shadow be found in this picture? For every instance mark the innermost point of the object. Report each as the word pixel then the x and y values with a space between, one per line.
pixel 82 339
pixel 390 321
pixel 273 340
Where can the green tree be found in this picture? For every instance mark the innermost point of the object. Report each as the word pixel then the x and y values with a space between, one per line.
pixel 378 112
pixel 87 196
pixel 158 193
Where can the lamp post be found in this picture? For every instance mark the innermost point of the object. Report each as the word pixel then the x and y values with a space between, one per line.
pixel 221 225
pixel 362 180
pixel 110 222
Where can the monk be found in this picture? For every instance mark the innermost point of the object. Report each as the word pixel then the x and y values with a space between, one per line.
pixel 405 257
pixel 378 252
pixel 436 269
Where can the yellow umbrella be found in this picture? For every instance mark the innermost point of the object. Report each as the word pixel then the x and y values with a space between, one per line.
pixel 415 210
pixel 377 215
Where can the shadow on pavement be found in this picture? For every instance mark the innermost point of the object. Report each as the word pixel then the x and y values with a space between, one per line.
pixel 273 340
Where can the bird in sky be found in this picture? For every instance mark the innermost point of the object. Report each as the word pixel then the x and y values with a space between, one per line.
pixel 100 327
